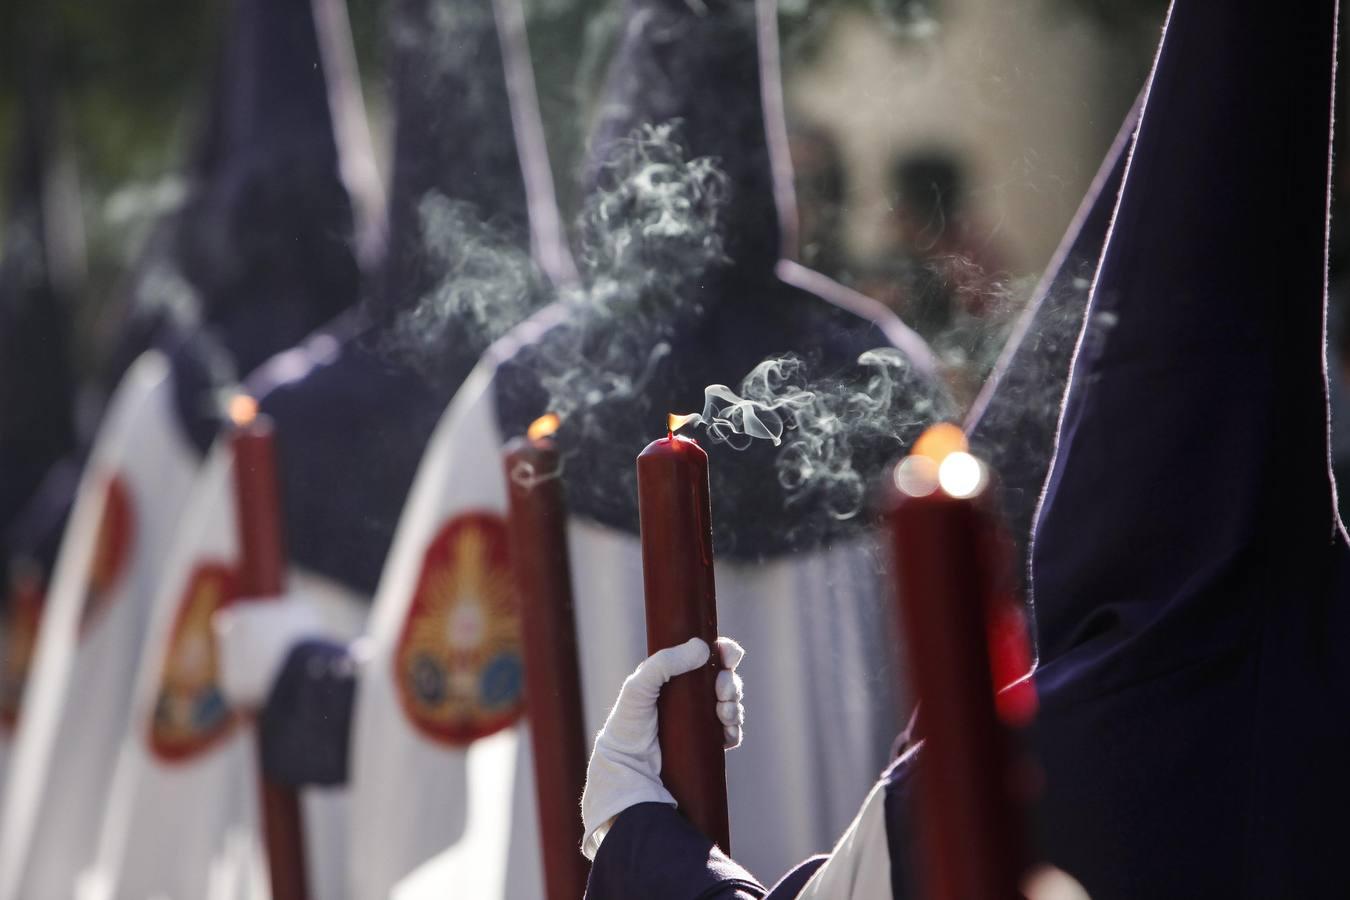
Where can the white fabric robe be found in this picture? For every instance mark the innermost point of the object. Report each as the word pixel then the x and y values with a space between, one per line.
pixel 80 683
pixel 188 827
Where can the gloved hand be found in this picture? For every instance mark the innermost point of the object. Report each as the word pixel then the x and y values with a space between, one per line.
pixel 1049 883
pixel 253 639
pixel 625 767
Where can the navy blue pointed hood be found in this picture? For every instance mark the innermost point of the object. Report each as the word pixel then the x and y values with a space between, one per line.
pixel 472 194
pixel 266 236
pixel 453 134
pixel 356 401
pixel 688 195
pixel 37 389
pixel 1185 560
pixel 355 407
pixel 1013 420
pixel 697 64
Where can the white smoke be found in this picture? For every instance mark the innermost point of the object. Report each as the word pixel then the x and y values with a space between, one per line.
pixel 832 431
pixel 650 231
pixel 485 282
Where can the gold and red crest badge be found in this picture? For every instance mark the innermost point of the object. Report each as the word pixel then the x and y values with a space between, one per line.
pixel 112 551
pixel 458 667
pixel 190 711
pixel 18 636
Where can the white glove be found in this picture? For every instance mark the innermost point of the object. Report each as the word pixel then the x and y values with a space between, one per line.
pixel 625 767
pixel 1049 883
pixel 253 639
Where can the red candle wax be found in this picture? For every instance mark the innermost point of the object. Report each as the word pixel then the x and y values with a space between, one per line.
pixel 948 568
pixel 681 603
pixel 262 573
pixel 262 549
pixel 539 564
pixel 27 596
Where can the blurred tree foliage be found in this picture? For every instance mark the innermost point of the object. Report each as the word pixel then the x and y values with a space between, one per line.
pixel 121 72
pixel 128 76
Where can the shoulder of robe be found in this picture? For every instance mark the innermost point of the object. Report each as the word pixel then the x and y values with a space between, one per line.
pixel 201 372
pixel 352 423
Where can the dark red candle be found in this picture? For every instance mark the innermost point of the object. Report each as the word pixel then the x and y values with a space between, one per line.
pixel 539 563
pixel 681 603
pixel 949 581
pixel 262 550
pixel 262 573
pixel 27 596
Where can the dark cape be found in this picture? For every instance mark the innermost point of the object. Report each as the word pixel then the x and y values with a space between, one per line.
pixel 699 307
pixel 1187 560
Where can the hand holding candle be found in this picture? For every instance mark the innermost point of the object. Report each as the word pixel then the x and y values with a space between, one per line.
pixel 681 603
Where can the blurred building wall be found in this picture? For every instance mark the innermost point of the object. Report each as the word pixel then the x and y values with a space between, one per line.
pixel 1028 93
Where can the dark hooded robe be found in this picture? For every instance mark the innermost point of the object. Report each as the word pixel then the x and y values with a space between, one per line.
pixel 260 254
pixel 683 284
pixel 1187 560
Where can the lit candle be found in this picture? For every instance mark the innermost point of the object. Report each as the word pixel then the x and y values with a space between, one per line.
pixel 262 573
pixel 262 550
pixel 951 590
pixel 539 564
pixel 681 603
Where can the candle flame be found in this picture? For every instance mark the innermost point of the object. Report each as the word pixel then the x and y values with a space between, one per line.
pixel 941 458
pixel 940 440
pixel 676 421
pixel 243 410
pixel 543 427
pixel 961 475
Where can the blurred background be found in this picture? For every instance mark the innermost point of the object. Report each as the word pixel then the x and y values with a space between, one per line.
pixel 941 146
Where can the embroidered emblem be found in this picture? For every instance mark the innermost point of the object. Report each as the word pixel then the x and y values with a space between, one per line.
pixel 458 667
pixel 112 551
pixel 18 636
pixel 190 712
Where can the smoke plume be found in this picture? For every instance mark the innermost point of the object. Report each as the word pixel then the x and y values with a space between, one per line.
pixel 832 432
pixel 649 233
pixel 484 284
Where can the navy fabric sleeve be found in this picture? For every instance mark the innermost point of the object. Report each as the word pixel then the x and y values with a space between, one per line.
pixel 305 727
pixel 1192 726
pixel 791 884
pixel 900 827
pixel 653 852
